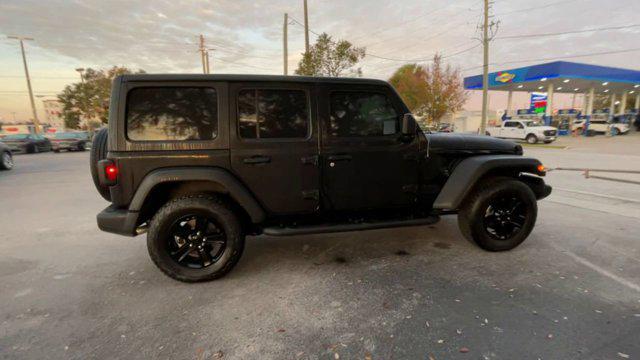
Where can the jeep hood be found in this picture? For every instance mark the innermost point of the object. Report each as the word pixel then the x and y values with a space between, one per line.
pixel 442 142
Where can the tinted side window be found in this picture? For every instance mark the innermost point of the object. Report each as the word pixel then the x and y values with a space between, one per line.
pixel 172 113
pixel 510 124
pixel 354 114
pixel 273 114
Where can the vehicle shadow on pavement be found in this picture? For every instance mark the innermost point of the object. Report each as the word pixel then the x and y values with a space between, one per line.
pixel 349 249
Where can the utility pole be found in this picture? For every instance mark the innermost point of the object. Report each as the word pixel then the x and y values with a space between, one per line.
pixel 206 58
pixel 36 122
pixel 203 55
pixel 285 54
pixel 306 28
pixel 489 30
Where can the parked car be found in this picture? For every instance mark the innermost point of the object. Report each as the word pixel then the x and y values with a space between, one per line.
pixel 200 161
pixel 6 158
pixel 600 126
pixel 530 130
pixel 446 128
pixel 70 141
pixel 27 143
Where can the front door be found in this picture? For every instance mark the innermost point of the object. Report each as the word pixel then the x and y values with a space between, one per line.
pixel 274 144
pixel 365 162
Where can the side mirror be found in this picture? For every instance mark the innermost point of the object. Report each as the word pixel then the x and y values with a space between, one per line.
pixel 409 125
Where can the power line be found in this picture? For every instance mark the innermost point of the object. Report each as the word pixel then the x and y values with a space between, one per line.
pixel 387 28
pixel 426 59
pixel 568 32
pixel 561 2
pixel 243 64
pixel 559 58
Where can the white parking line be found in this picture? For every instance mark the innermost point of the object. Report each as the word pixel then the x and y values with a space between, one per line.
pixel 598 269
pixel 596 194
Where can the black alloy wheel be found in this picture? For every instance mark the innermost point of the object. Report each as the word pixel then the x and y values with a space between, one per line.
pixel 504 217
pixel 196 241
pixel 499 214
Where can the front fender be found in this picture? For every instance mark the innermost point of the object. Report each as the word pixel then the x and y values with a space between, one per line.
pixel 471 169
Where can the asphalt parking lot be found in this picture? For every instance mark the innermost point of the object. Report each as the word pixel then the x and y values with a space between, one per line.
pixel 571 291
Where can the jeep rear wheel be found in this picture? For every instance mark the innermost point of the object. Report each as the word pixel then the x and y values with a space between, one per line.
pixel 195 238
pixel 499 214
pixel 531 139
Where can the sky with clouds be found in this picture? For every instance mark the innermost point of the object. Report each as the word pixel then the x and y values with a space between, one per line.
pixel 160 36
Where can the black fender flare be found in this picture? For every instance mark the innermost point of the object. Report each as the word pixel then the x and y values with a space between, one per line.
pixel 231 184
pixel 471 169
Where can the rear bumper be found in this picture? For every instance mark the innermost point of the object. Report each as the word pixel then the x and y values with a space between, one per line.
pixel 118 221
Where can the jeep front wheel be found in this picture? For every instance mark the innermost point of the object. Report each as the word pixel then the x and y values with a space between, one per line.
pixel 499 214
pixel 531 139
pixel 195 238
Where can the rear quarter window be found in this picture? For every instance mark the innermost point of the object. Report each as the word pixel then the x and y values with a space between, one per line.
pixel 172 114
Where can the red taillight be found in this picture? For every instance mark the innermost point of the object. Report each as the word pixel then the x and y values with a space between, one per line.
pixel 111 172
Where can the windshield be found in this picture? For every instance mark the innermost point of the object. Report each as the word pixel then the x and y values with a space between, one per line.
pixel 16 137
pixel 533 123
pixel 68 136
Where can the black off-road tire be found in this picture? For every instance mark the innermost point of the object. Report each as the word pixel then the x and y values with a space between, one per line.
pixel 99 152
pixel 472 212
pixel 202 204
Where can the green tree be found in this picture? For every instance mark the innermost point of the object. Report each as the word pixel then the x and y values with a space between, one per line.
pixel 410 81
pixel 328 57
pixel 89 99
pixel 431 91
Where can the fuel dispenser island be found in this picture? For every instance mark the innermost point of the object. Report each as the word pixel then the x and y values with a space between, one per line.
pixel 564 120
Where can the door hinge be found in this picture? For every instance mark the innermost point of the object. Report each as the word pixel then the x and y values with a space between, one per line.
pixel 311 194
pixel 310 160
pixel 411 188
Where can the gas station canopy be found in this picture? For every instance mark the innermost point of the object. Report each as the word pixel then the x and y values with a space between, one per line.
pixel 564 77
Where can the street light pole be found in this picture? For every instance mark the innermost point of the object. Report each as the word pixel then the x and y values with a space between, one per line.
pixel 485 68
pixel 36 122
pixel 285 46
pixel 81 72
pixel 306 28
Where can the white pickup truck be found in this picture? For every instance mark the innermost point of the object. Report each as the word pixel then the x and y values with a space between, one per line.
pixel 597 126
pixel 530 130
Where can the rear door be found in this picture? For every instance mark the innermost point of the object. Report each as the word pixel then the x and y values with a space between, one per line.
pixel 274 144
pixel 365 164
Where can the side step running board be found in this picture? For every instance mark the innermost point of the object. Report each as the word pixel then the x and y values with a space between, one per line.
pixel 331 228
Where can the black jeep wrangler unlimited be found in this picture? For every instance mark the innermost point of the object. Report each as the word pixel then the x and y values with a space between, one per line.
pixel 200 161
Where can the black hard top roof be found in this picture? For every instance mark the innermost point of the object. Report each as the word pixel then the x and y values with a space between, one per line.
pixel 249 78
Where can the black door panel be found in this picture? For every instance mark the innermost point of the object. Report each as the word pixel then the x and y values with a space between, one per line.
pixel 365 163
pixel 282 172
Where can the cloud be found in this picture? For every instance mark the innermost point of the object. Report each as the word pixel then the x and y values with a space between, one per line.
pixel 162 35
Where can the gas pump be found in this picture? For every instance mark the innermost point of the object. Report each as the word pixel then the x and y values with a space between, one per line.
pixel 564 120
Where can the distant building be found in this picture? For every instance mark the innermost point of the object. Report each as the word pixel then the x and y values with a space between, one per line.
pixel 469 121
